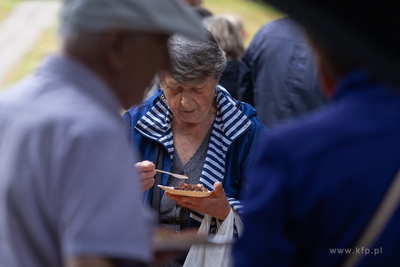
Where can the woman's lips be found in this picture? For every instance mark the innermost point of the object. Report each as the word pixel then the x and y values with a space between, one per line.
pixel 188 111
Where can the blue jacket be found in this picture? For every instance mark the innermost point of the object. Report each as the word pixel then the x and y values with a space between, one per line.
pixel 318 181
pixel 231 147
pixel 277 74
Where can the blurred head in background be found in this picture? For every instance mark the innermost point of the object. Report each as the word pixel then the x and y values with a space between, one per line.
pixel 237 20
pixel 332 65
pixel 227 35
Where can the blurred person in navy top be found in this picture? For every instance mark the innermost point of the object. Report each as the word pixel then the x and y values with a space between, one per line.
pixel 317 182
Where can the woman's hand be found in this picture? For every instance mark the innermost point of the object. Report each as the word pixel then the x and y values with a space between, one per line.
pixel 216 205
pixel 146 174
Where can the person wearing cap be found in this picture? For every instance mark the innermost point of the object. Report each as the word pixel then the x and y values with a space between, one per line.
pixel 69 192
pixel 193 126
pixel 317 182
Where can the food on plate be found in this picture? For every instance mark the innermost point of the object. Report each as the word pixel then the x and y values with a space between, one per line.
pixel 187 190
pixel 191 187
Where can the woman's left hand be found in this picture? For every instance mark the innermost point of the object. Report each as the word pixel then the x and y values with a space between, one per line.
pixel 216 205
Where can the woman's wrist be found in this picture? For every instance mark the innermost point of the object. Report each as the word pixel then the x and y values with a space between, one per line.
pixel 225 214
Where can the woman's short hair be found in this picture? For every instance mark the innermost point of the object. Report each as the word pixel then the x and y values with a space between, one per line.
pixel 227 34
pixel 194 60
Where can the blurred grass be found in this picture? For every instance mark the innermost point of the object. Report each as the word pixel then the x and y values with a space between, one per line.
pixel 46 44
pixel 254 14
pixel 6 6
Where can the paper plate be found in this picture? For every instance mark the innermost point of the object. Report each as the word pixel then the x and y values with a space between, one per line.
pixel 173 191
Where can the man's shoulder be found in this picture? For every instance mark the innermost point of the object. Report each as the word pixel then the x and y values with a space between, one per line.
pixel 312 135
pixel 348 120
pixel 59 107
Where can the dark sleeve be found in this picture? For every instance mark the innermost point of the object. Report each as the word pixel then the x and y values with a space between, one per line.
pixel 259 134
pixel 128 123
pixel 245 83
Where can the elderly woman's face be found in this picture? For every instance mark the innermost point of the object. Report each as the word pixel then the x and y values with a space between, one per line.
pixel 192 102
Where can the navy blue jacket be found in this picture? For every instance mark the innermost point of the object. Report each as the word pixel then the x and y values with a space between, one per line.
pixel 230 76
pixel 317 182
pixel 233 140
pixel 278 76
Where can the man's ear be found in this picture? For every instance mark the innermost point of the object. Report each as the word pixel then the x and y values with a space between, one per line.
pixel 113 48
pixel 328 82
pixel 321 59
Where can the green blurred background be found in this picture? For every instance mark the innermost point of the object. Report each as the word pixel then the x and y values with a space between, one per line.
pixel 254 15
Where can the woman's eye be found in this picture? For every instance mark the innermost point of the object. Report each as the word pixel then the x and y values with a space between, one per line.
pixel 176 90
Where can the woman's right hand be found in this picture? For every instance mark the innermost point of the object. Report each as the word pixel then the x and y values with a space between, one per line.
pixel 146 171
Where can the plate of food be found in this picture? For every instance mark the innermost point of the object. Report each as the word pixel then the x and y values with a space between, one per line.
pixel 189 190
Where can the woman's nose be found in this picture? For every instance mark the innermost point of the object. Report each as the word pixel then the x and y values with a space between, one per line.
pixel 186 99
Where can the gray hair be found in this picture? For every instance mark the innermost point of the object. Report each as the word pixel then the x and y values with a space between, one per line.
pixel 227 34
pixel 195 61
pixel 235 18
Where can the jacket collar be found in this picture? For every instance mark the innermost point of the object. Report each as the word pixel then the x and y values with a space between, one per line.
pixel 229 124
pixel 230 121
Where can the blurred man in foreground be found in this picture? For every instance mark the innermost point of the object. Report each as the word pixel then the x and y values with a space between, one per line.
pixel 68 188
pixel 318 182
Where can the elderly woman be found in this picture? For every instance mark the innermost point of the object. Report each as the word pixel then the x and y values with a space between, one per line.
pixel 193 126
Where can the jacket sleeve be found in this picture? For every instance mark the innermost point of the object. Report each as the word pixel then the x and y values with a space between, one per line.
pixel 128 123
pixel 245 83
pixel 258 133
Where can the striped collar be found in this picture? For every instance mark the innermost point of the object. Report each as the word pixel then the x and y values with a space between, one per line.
pixel 229 124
